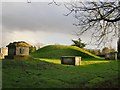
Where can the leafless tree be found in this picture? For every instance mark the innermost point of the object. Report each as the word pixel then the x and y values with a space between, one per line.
pixel 100 18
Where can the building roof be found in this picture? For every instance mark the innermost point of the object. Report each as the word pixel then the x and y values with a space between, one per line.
pixel 19 44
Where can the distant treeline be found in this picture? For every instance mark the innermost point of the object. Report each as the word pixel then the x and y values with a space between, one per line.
pixel 102 52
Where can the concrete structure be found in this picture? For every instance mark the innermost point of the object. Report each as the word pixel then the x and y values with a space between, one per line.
pixel 18 50
pixel 71 60
pixel 111 55
pixel 3 52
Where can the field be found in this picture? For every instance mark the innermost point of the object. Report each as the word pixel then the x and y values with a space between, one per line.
pixel 44 70
pixel 46 73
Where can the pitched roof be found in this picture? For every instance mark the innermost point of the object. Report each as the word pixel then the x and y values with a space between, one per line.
pixel 19 44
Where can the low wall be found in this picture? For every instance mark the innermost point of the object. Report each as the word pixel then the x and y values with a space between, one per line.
pixel 71 60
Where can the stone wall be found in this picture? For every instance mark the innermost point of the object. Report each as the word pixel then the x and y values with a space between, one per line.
pixel 22 50
pixel 11 51
pixel 3 52
pixel 77 60
pixel 71 60
pixel 111 56
pixel 1 56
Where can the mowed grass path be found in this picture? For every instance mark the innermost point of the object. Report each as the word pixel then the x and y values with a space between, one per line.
pixel 38 73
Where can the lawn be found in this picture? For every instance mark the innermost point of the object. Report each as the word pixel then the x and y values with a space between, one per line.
pixel 83 62
pixel 46 73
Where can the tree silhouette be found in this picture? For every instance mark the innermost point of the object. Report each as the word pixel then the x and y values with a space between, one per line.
pixel 78 43
pixel 100 18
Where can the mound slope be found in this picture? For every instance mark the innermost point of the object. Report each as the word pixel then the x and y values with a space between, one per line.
pixel 56 51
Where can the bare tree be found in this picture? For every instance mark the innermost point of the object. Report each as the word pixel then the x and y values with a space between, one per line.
pixel 100 18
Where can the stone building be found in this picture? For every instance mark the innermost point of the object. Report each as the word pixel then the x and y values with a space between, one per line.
pixel 3 52
pixel 18 49
pixel 71 60
pixel 112 56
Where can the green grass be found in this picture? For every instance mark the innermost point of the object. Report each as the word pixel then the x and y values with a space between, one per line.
pixel 83 62
pixel 45 73
pixel 56 51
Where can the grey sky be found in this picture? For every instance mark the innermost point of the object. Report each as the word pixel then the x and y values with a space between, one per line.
pixel 37 22
pixel 35 16
pixel 0 14
pixel 37 19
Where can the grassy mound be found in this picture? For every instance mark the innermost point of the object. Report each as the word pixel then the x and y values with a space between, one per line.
pixel 56 51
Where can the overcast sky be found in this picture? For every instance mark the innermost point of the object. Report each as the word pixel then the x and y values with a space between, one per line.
pixel 38 22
